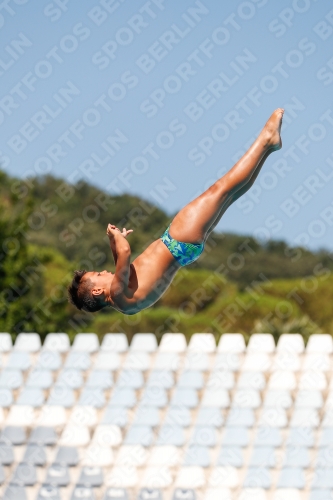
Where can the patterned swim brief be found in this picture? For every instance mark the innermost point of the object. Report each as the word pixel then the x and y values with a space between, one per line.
pixel 184 253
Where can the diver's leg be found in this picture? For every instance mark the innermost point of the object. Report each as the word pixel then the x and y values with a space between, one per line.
pixel 237 194
pixel 194 222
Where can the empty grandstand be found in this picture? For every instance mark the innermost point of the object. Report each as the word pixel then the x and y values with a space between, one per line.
pixel 169 422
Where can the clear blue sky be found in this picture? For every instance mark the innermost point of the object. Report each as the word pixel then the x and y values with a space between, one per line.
pixel 159 98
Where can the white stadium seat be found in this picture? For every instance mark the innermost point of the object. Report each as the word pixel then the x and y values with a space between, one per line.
pixel 287 494
pixel 304 417
pixel 24 416
pixel 195 360
pixel 282 380
pixel 247 398
pixel 52 416
pixel 48 360
pixel 11 379
pixel 309 399
pixel 58 342
pixel 253 494
pixel 137 361
pixel 107 361
pixel 272 417
pixel 107 436
pixel 317 361
pixel 231 342
pixel 27 342
pixel 320 343
pixel 173 342
pixel 278 399
pixel 75 435
pixel 156 477
pixel 131 456
pixel 286 360
pixel 19 360
pixel 290 342
pixel 218 494
pixel 227 361
pixel 84 415
pixel 224 477
pixel 190 477
pixel 2 416
pixel 98 456
pixel 221 379
pixel 123 477
pixel 167 361
pixel 202 343
pixel 144 342
pixel 114 342
pixel 164 455
pixel 216 398
pixel 5 342
pixel 261 342
pixel 251 380
pixel 86 342
pixel 313 380
pixel 257 361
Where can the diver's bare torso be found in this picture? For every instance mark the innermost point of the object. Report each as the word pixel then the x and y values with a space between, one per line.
pixel 150 275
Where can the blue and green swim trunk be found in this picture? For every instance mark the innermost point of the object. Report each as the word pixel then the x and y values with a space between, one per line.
pixel 184 253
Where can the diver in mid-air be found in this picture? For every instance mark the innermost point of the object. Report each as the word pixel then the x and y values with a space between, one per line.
pixel 137 285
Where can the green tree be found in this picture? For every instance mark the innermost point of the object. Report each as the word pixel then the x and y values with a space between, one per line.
pixel 19 270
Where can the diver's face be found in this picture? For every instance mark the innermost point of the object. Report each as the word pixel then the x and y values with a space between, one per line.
pixel 102 281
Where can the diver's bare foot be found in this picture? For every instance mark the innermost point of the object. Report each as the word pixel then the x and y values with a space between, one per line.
pixel 272 130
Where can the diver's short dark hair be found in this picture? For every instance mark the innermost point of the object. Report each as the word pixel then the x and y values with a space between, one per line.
pixel 79 293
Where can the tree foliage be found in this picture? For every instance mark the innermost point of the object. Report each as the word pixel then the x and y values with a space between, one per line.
pixel 19 271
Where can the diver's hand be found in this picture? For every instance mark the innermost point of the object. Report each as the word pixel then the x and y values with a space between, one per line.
pixel 112 230
pixel 125 232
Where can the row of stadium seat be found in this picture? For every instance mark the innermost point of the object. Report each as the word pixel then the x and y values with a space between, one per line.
pixel 170 342
pixel 50 360
pixel 169 422
pixel 14 492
